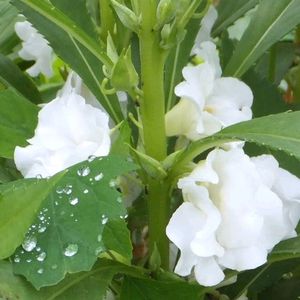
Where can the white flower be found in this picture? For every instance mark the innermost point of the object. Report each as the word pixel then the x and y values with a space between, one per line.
pixel 69 131
pixel 236 210
pixel 36 48
pixel 208 102
pixel 207 24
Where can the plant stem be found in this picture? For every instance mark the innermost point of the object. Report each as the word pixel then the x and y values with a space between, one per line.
pixel 107 19
pixel 152 108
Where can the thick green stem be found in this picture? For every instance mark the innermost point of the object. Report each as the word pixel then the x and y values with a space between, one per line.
pixel 153 119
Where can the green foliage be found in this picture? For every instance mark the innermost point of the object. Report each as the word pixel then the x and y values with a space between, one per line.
pixel 147 289
pixel 266 27
pixel 229 11
pixel 12 76
pixel 16 125
pixel 19 203
pixel 70 230
pixel 75 46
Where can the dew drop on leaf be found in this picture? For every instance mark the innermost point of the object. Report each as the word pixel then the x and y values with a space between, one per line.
pixel 86 191
pixel 84 171
pixel 91 158
pixel 74 201
pixel 41 256
pixel 42 229
pixel 99 177
pixel 99 238
pixel 17 259
pixel 71 250
pixel 29 243
pixel 40 271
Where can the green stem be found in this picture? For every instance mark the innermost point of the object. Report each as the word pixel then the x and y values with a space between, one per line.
pixel 152 109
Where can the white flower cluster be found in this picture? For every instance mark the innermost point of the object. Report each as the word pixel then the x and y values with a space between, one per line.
pixel 236 208
pixel 69 131
pixel 210 101
pixel 35 48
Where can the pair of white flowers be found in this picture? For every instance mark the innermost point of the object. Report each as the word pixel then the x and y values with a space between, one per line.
pixel 236 208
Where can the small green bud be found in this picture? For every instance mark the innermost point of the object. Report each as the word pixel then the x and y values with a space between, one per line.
pixel 155 259
pixel 124 76
pixel 126 16
pixel 165 12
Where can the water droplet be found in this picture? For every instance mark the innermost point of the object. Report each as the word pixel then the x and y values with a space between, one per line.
pixel 84 171
pixel 42 217
pixel 59 190
pixel 38 249
pixel 71 250
pixel 124 217
pixel 99 237
pixel 76 220
pixel 72 215
pixel 288 275
pixel 112 183
pixel 91 158
pixel 98 250
pixel 54 267
pixel 29 243
pixel 28 260
pixel 40 271
pixel 99 177
pixel 68 189
pixel 56 203
pixel 17 259
pixel 104 219
pixel 119 199
pixel 42 229
pixel 86 191
pixel 41 256
pixel 74 201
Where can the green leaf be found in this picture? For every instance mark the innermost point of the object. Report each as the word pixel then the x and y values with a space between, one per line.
pixel 287 249
pixel 69 229
pixel 16 125
pixel 8 18
pixel 280 132
pixel 229 11
pixel 76 47
pixel 255 281
pixel 14 287
pixel 267 98
pixel 148 289
pixel 83 285
pixel 12 76
pixel 266 27
pixel 18 210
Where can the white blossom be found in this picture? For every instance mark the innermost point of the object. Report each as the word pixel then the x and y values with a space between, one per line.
pixel 206 26
pixel 208 102
pixel 235 210
pixel 36 48
pixel 69 131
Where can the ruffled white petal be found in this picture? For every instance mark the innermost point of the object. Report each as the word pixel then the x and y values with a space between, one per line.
pixel 36 48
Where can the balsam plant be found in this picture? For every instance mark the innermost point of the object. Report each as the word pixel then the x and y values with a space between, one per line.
pixel 149 149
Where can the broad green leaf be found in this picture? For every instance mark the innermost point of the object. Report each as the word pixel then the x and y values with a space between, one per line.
pixel 12 76
pixel 78 13
pixel 255 281
pixel 271 21
pixel 280 132
pixel 70 230
pixel 8 18
pixel 18 209
pixel 83 285
pixel 18 119
pixel 148 289
pixel 287 249
pixel 79 49
pixel 267 98
pixel 14 287
pixel 229 11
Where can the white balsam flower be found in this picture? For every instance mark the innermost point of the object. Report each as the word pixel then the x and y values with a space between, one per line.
pixel 208 102
pixel 235 210
pixel 206 26
pixel 69 131
pixel 34 48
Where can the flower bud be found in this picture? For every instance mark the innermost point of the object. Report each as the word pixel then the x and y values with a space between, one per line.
pixel 165 12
